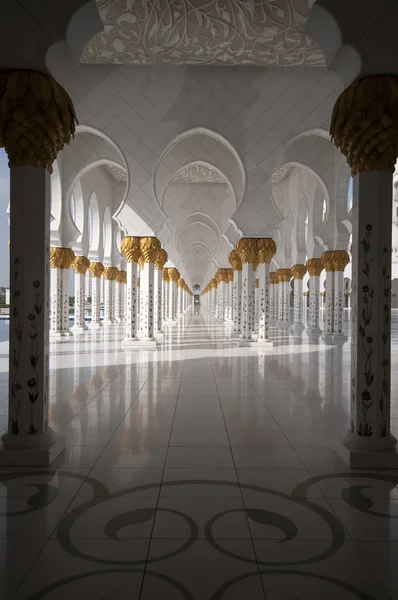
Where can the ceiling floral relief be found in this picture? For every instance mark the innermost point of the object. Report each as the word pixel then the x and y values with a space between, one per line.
pixel 200 32
pixel 197 173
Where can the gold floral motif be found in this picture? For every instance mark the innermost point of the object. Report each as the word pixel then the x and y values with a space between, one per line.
pixel 247 251
pixel 257 283
pixel 235 260
pixel 314 267
pixel 150 247
pixel 266 249
pixel 340 259
pixel 61 258
pixel 364 124
pixel 130 248
pixel 214 283
pixel 230 275
pixel 174 274
pixel 138 282
pixel 161 259
pixel 298 271
pixel 96 269
pixel 222 275
pixel 111 273
pixel 273 278
pixel 180 282
pixel 81 264
pixel 122 276
pixel 327 261
pixel 165 275
pixel 284 275
pixel 37 118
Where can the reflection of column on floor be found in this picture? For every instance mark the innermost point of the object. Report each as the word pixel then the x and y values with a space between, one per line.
pixel 159 307
pixel 315 268
pixel 247 251
pixel 110 275
pixel 130 248
pixel 266 249
pixel 298 272
pixel 329 312
pixel 96 269
pixel 236 264
pixel 80 266
pixel 61 260
pixel 340 259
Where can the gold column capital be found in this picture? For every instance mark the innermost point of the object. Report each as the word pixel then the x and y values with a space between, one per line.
pixel 180 282
pixel 298 271
pixel 234 260
pixel 161 259
pixel 61 258
pixel 340 259
pixel 284 275
pixel 96 269
pixel 130 248
pixel 37 118
pixel 327 261
pixel 273 278
pixel 111 273
pixel 122 277
pixel 174 274
pixel 81 264
pixel 247 250
pixel 314 267
pixel 150 247
pixel 165 275
pixel 266 249
pixel 364 124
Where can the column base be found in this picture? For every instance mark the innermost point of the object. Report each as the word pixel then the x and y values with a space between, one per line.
pixel 110 322
pixel 151 343
pixel 60 334
pixel 96 325
pixel 247 342
pixel 265 343
pixel 79 329
pixel 235 334
pixel 46 449
pixel 283 324
pixel 130 343
pixel 314 330
pixel 297 328
pixel 360 452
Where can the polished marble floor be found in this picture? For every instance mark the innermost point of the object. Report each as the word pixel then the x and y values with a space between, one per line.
pixel 203 470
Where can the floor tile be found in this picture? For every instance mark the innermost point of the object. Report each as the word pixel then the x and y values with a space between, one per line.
pixel 199 437
pixel 199 457
pixel 198 483
pixel 261 458
pixel 126 457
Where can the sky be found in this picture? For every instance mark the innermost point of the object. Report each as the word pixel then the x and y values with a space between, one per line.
pixel 4 227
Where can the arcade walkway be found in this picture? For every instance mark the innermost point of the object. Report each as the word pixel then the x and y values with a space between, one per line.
pixel 203 471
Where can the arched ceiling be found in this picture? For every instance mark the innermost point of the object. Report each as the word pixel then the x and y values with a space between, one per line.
pixel 194 32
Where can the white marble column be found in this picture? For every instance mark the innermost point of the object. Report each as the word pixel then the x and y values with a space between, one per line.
pixel 340 259
pixel 60 261
pixel 298 272
pixel 150 247
pixel 284 276
pixel 237 294
pixel 214 297
pixel 369 442
pixel 80 266
pixel 96 269
pixel 329 312
pixel 266 249
pixel 165 295
pixel 174 276
pixel 315 268
pixel 29 440
pixel 130 248
pixel 273 280
pixel 281 302
pixel 256 305
pixel 122 296
pixel 180 297
pixel 160 261
pixel 247 251
pixel 110 275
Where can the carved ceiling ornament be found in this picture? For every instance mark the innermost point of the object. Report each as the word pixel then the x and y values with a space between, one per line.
pixel 279 174
pixel 197 173
pixel 198 33
pixel 117 173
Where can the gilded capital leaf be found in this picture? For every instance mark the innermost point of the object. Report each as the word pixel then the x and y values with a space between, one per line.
pixel 266 249
pixel 96 269
pixel 61 258
pixel 340 259
pixel 364 124
pixel 298 271
pixel 111 273
pixel 314 267
pixel 161 259
pixel 180 282
pixel 247 250
pixel 165 275
pixel 174 274
pixel 150 247
pixel 81 264
pixel 327 261
pixel 235 261
pixel 273 277
pixel 122 276
pixel 130 248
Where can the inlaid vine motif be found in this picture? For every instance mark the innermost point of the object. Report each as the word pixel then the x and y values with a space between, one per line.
pixel 385 384
pixel 16 385
pixel 33 382
pixel 365 427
